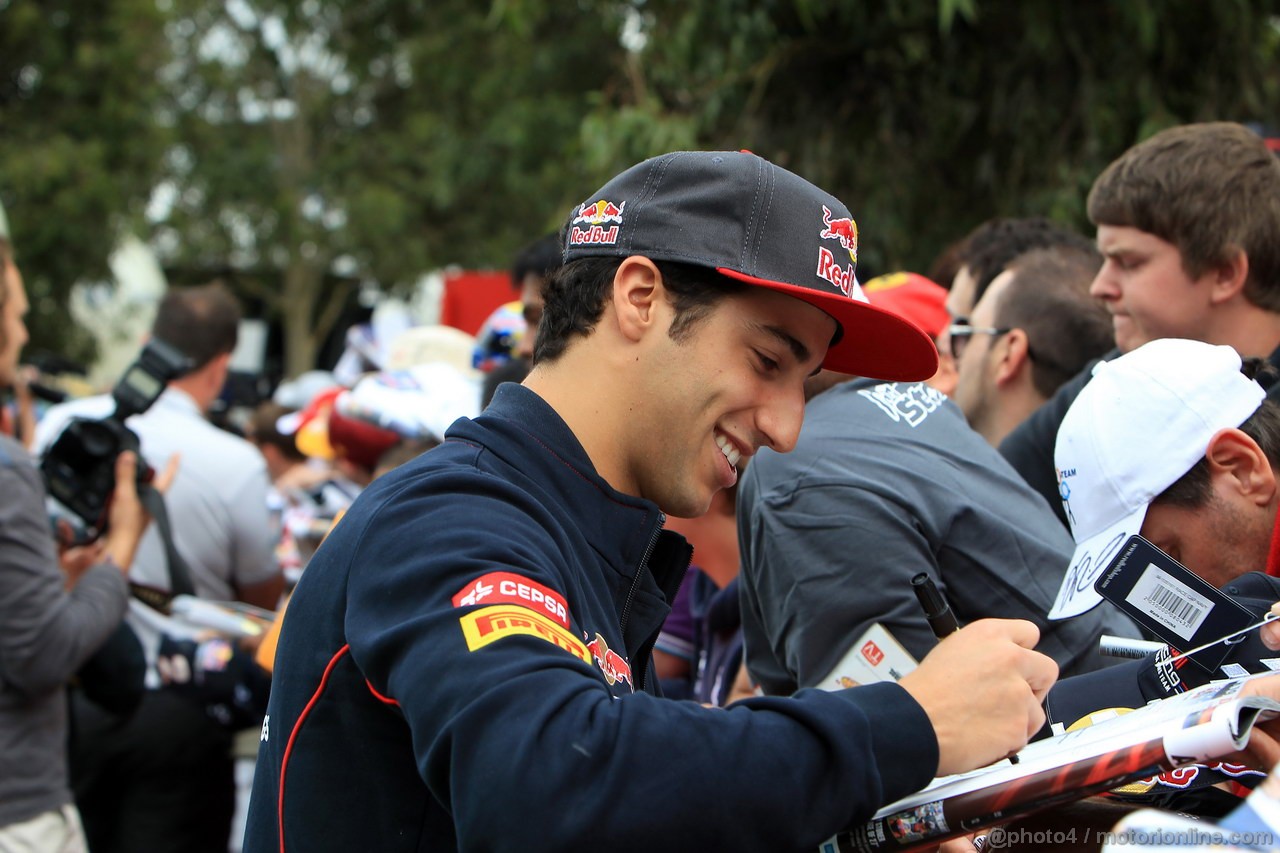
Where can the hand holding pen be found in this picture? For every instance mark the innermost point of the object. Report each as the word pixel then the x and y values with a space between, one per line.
pixel 942 620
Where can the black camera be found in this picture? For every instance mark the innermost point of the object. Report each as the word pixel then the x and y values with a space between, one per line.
pixel 79 468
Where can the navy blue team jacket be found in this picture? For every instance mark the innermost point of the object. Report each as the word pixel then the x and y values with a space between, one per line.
pixel 465 665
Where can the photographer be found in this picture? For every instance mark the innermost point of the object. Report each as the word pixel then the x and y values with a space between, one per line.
pixel 50 622
pixel 162 780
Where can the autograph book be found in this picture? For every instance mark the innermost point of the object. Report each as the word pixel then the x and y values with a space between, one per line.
pixel 1194 727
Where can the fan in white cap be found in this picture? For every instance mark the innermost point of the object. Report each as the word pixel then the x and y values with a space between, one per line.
pixel 1140 424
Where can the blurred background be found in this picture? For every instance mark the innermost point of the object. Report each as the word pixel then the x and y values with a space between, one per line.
pixel 333 160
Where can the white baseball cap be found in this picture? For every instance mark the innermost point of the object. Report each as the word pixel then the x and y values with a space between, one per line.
pixel 1141 423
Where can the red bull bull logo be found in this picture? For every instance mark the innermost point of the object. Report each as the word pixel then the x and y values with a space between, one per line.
pixel 839 274
pixel 599 212
pixel 613 665
pixel 596 215
pixel 844 230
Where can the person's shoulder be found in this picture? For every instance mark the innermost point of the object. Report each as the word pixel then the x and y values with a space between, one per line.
pixel 197 431
pixel 1254 585
pixel 452 481
pixel 99 405
pixel 454 469
pixel 18 471
pixel 12 454
pixel 56 417
pixel 878 416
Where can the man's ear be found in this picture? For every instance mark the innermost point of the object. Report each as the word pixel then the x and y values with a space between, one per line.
pixel 1012 355
pixel 1239 460
pixel 1229 277
pixel 637 296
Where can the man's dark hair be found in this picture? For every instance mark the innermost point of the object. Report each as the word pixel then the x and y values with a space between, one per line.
pixel 575 297
pixel 541 258
pixel 1049 300
pixel 1209 189
pixel 201 322
pixel 944 267
pixel 1191 490
pixel 993 245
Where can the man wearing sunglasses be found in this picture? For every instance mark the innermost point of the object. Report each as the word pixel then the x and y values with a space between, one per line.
pixel 1033 329
pixel 1187 223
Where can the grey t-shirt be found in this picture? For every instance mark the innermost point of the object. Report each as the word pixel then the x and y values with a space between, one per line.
pixel 46 633
pixel 888 480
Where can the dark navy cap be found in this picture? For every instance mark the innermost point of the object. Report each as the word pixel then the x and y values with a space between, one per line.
pixel 756 222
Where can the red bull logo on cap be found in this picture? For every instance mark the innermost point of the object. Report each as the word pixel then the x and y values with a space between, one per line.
pixel 613 665
pixel 599 212
pixel 596 215
pixel 839 274
pixel 844 230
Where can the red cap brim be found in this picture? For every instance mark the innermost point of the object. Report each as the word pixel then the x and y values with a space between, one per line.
pixel 873 342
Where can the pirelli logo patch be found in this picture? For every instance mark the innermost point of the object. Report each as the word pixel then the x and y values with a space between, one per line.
pixel 490 624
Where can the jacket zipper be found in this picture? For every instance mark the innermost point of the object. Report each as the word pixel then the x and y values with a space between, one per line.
pixel 635 584
pixel 646 648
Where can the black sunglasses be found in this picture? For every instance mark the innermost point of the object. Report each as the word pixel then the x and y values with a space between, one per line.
pixel 962 332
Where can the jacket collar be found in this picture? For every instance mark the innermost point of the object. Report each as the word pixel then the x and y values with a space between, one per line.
pixel 521 429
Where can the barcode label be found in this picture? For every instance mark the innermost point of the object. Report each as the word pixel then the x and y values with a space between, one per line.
pixel 1169 601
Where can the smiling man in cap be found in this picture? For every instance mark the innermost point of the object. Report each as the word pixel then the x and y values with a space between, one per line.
pixel 466 661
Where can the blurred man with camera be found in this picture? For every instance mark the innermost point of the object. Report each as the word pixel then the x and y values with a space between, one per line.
pixel 51 621
pixel 163 779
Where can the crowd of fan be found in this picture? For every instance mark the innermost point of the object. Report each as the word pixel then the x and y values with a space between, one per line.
pixel 795 569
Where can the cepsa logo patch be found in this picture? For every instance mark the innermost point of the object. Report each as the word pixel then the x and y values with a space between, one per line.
pixel 490 624
pixel 508 588
pixel 613 665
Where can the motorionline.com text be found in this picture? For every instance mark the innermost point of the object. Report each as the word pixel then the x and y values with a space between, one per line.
pixel 999 837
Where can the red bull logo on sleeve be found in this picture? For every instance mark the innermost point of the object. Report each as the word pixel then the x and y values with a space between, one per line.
pixel 510 588
pixel 613 665
pixel 596 215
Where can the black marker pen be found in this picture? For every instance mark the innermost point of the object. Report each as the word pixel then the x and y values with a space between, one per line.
pixel 936 610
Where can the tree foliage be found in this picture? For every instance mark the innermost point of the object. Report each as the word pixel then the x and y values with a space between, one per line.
pixel 79 141
pixel 928 117
pixel 311 146
pixel 324 144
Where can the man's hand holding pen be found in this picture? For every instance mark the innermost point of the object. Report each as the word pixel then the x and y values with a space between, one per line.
pixel 982 689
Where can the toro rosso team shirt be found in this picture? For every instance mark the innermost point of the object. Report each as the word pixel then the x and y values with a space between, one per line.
pixel 465 665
